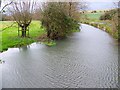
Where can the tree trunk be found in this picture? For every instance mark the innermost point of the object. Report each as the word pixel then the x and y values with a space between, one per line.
pixel 70 5
pixel 24 31
pixel 48 33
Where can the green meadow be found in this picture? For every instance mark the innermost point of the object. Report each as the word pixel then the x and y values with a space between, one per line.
pixel 10 38
pixel 94 15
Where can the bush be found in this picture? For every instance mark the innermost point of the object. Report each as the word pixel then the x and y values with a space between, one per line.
pixel 108 15
pixel 118 32
pixel 57 22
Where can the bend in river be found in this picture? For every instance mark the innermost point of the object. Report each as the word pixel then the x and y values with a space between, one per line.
pixel 86 59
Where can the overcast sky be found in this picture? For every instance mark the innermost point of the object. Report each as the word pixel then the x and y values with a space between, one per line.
pixel 92 4
pixel 101 5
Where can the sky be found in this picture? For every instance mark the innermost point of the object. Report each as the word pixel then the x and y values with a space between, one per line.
pixel 92 4
pixel 101 4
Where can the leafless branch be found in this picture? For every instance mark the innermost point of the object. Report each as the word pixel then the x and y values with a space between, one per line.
pixel 8 27
pixel 5 6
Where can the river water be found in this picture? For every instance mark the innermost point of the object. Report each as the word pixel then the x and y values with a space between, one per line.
pixel 86 59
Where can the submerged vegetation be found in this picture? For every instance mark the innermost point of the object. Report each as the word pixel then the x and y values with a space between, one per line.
pixel 50 43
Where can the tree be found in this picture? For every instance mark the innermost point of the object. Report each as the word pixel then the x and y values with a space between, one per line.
pixel 54 20
pixel 108 15
pixel 2 10
pixel 73 9
pixel 119 21
pixel 114 17
pixel 22 14
pixel 116 23
pixel 60 18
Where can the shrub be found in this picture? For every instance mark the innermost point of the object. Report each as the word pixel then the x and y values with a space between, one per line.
pixel 108 15
pixel 57 22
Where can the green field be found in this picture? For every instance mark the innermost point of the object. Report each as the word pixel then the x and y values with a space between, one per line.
pixel 10 35
pixel 94 15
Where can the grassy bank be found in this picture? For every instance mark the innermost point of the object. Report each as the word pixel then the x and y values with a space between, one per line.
pixel 93 20
pixel 10 37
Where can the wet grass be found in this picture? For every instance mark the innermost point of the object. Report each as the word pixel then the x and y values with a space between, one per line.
pixel 9 37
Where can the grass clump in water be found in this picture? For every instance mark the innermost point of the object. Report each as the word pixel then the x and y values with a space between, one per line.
pixel 50 43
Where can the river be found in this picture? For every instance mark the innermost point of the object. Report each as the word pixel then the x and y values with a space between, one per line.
pixel 86 59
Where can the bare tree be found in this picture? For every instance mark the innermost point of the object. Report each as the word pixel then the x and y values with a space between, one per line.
pixel 74 9
pixel 2 8
pixel 76 6
pixel 22 14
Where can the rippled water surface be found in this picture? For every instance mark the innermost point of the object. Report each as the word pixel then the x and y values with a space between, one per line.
pixel 86 59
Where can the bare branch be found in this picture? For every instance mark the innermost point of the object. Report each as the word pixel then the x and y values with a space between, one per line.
pixel 22 12
pixel 5 6
pixel 7 27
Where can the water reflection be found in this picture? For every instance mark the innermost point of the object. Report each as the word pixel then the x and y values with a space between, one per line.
pixel 87 59
pixel 24 48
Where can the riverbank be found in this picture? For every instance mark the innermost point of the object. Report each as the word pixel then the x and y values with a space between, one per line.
pixel 87 59
pixel 9 37
pixel 105 25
